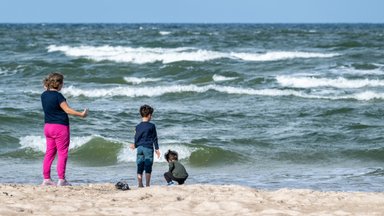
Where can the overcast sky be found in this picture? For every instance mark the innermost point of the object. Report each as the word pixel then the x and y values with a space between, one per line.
pixel 192 11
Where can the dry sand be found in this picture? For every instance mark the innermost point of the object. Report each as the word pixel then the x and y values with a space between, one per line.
pixel 104 199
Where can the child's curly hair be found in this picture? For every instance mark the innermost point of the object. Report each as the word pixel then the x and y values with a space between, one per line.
pixel 171 155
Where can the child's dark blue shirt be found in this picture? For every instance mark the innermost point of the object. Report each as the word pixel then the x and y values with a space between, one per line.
pixel 146 135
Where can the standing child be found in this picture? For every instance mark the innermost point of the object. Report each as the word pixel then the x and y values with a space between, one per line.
pixel 56 127
pixel 177 171
pixel 145 142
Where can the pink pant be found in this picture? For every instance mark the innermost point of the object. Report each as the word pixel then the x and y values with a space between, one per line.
pixel 57 137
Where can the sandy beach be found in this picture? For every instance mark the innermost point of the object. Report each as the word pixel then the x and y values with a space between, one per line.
pixel 104 199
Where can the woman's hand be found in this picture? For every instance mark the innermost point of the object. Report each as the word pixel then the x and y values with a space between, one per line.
pixel 85 113
pixel 64 105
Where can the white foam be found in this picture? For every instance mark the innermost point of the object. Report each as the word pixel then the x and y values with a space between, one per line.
pixel 161 90
pixel 353 71
pixel 143 55
pixel 367 95
pixel 127 91
pixel 37 143
pixel 219 78
pixel 133 91
pixel 3 71
pixel 325 94
pixel 136 80
pixel 360 96
pixel 340 82
pixel 8 72
pixel 165 32
pixel 137 55
pixel 280 55
pixel 128 155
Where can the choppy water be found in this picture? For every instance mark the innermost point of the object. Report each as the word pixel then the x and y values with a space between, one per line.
pixel 267 106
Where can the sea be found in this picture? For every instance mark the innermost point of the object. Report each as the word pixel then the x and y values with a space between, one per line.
pixel 266 106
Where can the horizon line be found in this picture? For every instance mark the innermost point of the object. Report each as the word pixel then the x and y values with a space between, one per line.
pixel 199 23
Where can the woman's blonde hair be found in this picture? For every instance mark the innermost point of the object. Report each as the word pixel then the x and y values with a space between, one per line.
pixel 53 80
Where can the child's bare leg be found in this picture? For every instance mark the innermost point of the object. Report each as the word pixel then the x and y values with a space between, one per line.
pixel 140 180
pixel 147 179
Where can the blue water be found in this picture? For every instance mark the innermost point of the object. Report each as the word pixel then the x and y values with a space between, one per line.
pixel 267 106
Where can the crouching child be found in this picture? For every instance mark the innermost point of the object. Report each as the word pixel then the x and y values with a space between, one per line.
pixel 177 171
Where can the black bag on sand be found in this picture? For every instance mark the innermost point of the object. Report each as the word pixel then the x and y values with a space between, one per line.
pixel 122 186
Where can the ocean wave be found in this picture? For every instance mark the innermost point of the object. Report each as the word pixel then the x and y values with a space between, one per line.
pixel 137 55
pixel 371 69
pixel 37 143
pixel 2 71
pixel 143 55
pixel 219 78
pixel 162 90
pixel 214 156
pixel 326 95
pixel 133 91
pixel 164 33
pixel 366 96
pixel 375 172
pixel 7 72
pixel 128 155
pixel 96 150
pixel 340 82
pixel 372 154
pixel 136 80
pixel 281 55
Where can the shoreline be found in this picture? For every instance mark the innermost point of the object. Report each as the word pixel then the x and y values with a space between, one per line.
pixel 198 199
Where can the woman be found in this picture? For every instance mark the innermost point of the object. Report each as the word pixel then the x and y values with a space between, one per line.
pixel 56 128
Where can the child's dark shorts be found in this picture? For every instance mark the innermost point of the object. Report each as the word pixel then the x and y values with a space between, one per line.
pixel 144 159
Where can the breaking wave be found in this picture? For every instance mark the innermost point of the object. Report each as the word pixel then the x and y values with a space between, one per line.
pixel 340 82
pixel 136 80
pixel 143 55
pixel 162 90
pixel 219 78
pixel 96 150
